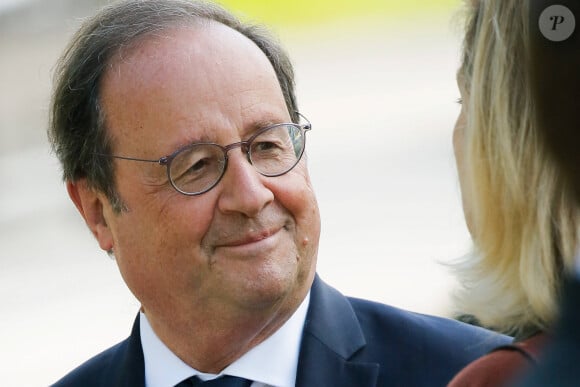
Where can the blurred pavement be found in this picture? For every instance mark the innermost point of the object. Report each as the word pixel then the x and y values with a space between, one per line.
pixel 380 95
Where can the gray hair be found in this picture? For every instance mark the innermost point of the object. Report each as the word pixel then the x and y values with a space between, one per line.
pixel 77 129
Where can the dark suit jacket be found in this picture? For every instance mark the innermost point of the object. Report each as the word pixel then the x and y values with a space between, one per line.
pixel 559 365
pixel 346 342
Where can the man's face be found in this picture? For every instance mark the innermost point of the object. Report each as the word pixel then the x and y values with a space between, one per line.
pixel 250 243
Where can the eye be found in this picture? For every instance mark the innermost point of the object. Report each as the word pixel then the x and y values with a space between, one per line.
pixel 194 160
pixel 266 146
pixel 279 139
pixel 197 164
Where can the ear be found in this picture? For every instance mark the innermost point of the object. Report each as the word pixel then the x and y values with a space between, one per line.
pixel 90 204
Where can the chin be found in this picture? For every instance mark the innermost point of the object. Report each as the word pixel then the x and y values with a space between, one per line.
pixel 272 288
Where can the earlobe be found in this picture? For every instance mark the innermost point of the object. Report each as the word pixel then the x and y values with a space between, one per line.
pixel 90 204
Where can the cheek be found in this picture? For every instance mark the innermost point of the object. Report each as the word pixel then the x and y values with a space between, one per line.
pixel 458 135
pixel 160 245
pixel 460 160
pixel 294 192
pixel 297 196
pixel 459 144
pixel 158 230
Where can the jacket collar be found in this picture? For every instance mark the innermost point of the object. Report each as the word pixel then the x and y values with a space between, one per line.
pixel 332 335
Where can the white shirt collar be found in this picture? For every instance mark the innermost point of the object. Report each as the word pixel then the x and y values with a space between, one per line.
pixel 280 352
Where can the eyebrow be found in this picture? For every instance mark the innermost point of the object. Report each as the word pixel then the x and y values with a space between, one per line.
pixel 262 124
pixel 245 133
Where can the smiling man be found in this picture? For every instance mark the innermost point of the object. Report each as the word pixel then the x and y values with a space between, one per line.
pixel 182 148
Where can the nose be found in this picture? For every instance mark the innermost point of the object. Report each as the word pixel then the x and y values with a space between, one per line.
pixel 242 187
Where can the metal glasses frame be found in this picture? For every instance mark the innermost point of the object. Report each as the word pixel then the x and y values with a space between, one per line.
pixel 245 145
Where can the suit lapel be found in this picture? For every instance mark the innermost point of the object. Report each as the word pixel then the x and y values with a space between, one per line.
pixel 332 335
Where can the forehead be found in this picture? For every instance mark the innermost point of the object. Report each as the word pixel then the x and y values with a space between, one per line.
pixel 195 44
pixel 203 76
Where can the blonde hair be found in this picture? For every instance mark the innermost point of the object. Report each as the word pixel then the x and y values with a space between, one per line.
pixel 525 220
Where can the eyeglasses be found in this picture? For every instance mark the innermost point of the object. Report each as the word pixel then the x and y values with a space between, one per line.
pixel 197 168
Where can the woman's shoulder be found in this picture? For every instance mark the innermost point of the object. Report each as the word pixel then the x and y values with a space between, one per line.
pixel 499 366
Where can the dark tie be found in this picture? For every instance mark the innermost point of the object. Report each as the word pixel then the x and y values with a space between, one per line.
pixel 223 381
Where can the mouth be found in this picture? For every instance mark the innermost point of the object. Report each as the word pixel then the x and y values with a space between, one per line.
pixel 252 238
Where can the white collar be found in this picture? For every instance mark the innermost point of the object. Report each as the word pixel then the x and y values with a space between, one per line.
pixel 280 352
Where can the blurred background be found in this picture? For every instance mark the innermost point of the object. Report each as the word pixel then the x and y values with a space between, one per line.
pixel 376 79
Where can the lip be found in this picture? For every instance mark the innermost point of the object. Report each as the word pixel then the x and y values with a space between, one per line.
pixel 249 239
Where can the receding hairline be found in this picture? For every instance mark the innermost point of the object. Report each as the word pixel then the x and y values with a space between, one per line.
pixel 203 31
pixel 194 23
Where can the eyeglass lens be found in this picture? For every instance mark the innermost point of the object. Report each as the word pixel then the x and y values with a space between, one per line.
pixel 273 152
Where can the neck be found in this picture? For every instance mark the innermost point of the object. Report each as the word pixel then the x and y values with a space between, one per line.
pixel 210 346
